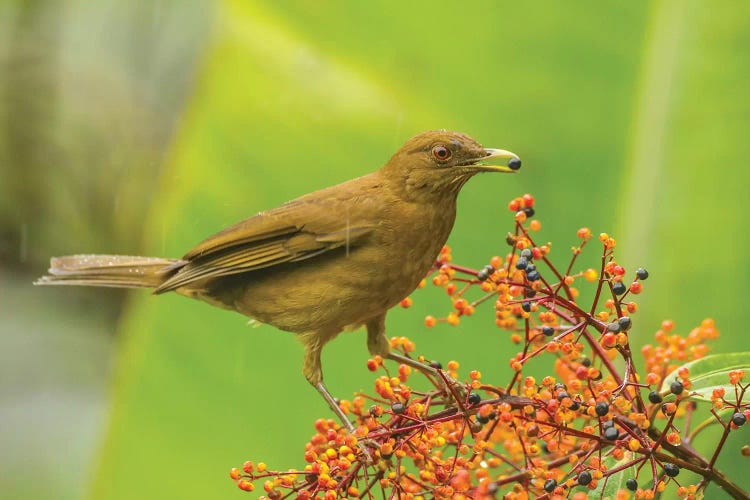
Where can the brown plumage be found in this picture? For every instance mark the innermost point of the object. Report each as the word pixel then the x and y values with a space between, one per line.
pixel 331 260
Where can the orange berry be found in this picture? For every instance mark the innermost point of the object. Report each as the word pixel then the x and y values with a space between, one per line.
pixel 673 438
pixel 590 275
pixel 584 233
pixel 528 200
pixel 609 340
pixel 429 321
pixel 735 376
pixel 234 473
pixel 406 303
pixel 248 467
pixel 245 485
pixel 636 287
pixel 453 319
pixel 535 225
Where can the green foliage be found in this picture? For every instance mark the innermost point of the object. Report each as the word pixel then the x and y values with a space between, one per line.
pixel 608 488
pixel 709 373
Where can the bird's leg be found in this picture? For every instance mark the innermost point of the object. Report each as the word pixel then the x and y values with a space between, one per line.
pixel 377 344
pixel 313 372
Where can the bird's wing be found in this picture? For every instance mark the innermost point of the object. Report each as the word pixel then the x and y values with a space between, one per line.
pixel 298 230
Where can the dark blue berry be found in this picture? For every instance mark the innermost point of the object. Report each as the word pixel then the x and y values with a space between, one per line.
pixel 527 254
pixel 533 276
pixel 654 397
pixel 739 419
pixel 550 485
pixel 631 484
pixel 526 306
pixel 671 470
pixel 521 263
pixel 676 387
pixel 482 275
pixel 641 273
pixel 514 163
pixel 584 478
pixel 625 323
pixel 619 288
pixel 611 433
pixel 613 327
pixel 398 408
pixel 601 408
pixel 529 212
pixel 548 331
pixel 474 398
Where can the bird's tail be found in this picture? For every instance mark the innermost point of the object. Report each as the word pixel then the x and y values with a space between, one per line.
pixel 120 271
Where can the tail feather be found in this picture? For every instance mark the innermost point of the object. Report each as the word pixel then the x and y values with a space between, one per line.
pixel 120 271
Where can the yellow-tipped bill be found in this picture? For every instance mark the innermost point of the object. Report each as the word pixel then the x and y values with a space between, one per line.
pixel 514 162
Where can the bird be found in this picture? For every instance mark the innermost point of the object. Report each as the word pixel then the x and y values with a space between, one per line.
pixel 332 260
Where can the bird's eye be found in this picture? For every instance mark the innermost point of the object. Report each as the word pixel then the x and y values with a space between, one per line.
pixel 441 153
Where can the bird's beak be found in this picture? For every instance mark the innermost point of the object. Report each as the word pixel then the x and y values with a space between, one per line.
pixel 480 165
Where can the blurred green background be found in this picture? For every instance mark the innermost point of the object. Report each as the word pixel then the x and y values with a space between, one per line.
pixel 144 126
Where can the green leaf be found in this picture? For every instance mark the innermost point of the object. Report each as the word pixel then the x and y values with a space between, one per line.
pixel 609 486
pixel 712 372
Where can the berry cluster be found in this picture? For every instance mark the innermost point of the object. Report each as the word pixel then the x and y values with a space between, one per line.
pixel 595 426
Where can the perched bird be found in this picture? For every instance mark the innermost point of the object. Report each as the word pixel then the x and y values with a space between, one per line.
pixel 332 260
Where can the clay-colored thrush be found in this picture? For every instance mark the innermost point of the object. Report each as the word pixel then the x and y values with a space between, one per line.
pixel 329 261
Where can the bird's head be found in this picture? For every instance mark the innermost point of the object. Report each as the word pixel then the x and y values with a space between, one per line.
pixel 440 162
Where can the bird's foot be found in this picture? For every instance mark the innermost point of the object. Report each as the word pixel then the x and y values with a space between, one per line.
pixel 365 446
pixel 455 392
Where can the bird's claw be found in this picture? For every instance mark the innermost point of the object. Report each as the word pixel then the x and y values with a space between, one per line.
pixel 455 391
pixel 365 445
